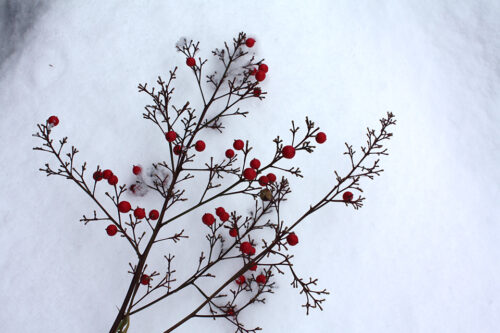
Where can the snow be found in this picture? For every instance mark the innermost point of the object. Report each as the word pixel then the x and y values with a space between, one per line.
pixel 421 255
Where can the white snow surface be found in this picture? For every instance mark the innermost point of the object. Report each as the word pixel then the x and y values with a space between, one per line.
pixel 422 255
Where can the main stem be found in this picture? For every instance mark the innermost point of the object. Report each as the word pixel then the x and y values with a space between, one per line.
pixel 142 258
pixel 140 265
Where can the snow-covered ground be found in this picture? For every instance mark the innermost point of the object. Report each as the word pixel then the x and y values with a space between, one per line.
pixel 422 255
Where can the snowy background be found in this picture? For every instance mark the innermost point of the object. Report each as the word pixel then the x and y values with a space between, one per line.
pixel 422 255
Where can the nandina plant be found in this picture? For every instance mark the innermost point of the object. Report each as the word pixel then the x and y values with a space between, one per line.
pixel 255 261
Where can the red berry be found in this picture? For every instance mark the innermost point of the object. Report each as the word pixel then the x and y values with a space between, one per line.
pixel 229 153
pixel 124 206
pixel 240 280
pixel 199 146
pixel 219 211
pixel 208 219
pixel 233 232
pixel 111 230
pixel 320 137
pixel 170 136
pixel 107 174
pixel 255 163
pixel 263 67
pixel 230 312
pixel 253 71
pixel 292 239
pixel 256 92
pixel 271 177
pixel 246 247
pixel 263 180
pixel 97 176
pixel 249 174
pixel 136 170
pixel 154 214
pixel 252 251
pixel 288 152
pixel 347 196
pixel 260 76
pixel 132 188
pixel 140 213
pixel 53 120
pixel 190 62
pixel 177 150
pixel 113 180
pixel 145 279
pixel 253 268
pixel 261 279
pixel 250 42
pixel 238 144
pixel 224 217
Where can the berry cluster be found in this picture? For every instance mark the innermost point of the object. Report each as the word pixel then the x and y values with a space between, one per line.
pixel 250 173
pixel 199 145
pixel 260 72
pixel 106 174
pixel 260 75
pixel 138 187
pixel 221 213
pixel 151 178
pixel 245 247
pixel 139 213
